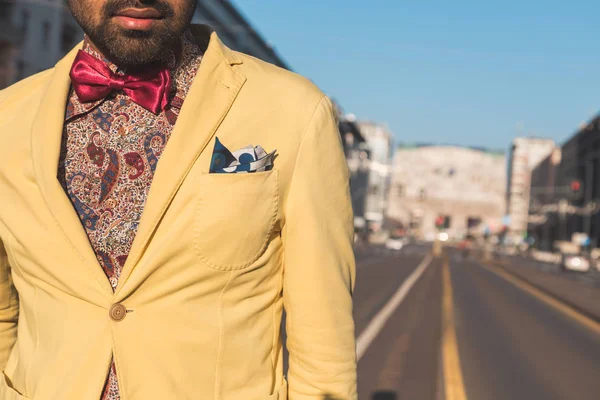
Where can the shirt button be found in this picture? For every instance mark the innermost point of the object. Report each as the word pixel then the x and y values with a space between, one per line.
pixel 117 312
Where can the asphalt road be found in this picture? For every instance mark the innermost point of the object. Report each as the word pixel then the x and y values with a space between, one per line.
pixel 495 340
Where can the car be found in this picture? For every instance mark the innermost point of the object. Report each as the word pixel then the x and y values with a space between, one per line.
pixel 394 243
pixel 572 262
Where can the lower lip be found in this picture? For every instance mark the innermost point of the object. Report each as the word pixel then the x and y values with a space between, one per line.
pixel 137 24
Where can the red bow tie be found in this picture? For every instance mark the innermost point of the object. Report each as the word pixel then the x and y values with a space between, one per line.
pixel 93 80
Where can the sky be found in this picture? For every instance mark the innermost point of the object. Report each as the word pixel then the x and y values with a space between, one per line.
pixel 474 73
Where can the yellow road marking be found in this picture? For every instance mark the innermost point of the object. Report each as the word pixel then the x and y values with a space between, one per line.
pixel 453 377
pixel 564 308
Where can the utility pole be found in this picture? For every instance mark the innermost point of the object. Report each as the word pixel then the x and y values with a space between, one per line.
pixel 555 160
pixel 562 219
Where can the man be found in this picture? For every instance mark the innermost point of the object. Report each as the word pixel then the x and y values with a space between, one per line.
pixel 146 251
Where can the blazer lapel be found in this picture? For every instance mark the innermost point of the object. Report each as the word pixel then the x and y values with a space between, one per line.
pixel 46 137
pixel 210 97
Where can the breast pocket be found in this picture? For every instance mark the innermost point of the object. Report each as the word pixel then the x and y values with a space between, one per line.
pixel 235 216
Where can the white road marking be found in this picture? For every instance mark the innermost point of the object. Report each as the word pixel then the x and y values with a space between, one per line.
pixel 378 322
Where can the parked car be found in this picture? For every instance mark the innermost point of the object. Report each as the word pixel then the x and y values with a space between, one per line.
pixel 575 262
pixel 395 243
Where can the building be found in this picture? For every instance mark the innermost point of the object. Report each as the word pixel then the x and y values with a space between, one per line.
pixel 48 32
pixel 542 223
pixel 525 154
pixel 462 186
pixel 10 39
pixel 358 156
pixel 379 140
pixel 568 199
pixel 235 30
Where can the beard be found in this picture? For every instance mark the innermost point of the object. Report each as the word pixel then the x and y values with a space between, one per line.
pixel 135 49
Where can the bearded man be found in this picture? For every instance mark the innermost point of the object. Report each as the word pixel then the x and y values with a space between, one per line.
pixel 164 198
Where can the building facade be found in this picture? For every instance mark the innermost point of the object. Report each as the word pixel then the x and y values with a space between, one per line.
pixel 570 204
pixel 235 30
pixel 47 31
pixel 358 157
pixel 379 140
pixel 543 202
pixel 463 186
pixel 10 40
pixel 525 154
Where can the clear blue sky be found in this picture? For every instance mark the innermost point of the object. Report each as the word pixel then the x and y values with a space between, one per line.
pixel 464 72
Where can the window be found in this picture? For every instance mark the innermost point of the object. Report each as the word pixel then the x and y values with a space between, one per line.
pixel 46 35
pixel 5 9
pixel 447 221
pixel 20 69
pixel 399 190
pixel 68 38
pixel 25 21
pixel 473 222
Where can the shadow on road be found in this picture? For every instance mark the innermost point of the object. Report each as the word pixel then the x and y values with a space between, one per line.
pixel 384 395
pixel 381 395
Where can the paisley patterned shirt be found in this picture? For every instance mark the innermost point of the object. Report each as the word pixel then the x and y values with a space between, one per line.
pixel 109 152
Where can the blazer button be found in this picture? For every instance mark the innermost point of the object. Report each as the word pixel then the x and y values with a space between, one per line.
pixel 117 312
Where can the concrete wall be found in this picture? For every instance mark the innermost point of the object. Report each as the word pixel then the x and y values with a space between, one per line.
pixel 458 182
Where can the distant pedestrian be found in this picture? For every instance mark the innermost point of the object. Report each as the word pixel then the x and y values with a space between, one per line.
pixel 465 247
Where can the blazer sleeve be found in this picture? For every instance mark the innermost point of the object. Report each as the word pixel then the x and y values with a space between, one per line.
pixel 319 266
pixel 9 308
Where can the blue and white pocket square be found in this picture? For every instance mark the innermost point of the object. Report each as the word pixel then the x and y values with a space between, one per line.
pixel 248 159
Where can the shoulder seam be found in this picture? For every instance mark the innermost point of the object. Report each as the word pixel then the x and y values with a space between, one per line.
pixel 301 141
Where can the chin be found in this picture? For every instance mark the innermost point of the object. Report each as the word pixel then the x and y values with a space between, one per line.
pixel 123 33
pixel 134 48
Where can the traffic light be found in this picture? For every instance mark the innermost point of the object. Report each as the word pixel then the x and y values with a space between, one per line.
pixel 442 222
pixel 439 222
pixel 576 189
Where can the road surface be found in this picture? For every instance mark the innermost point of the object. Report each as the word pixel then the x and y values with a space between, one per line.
pixel 466 329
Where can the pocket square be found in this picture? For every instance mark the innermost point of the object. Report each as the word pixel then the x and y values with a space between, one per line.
pixel 245 160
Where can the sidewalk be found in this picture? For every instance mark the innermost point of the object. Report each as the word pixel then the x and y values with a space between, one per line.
pixel 582 297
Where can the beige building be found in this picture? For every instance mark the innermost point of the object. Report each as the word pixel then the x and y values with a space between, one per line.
pixel 464 186
pixel 379 140
pixel 526 154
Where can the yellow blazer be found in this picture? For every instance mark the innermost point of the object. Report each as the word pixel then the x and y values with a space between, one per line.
pixel 215 259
